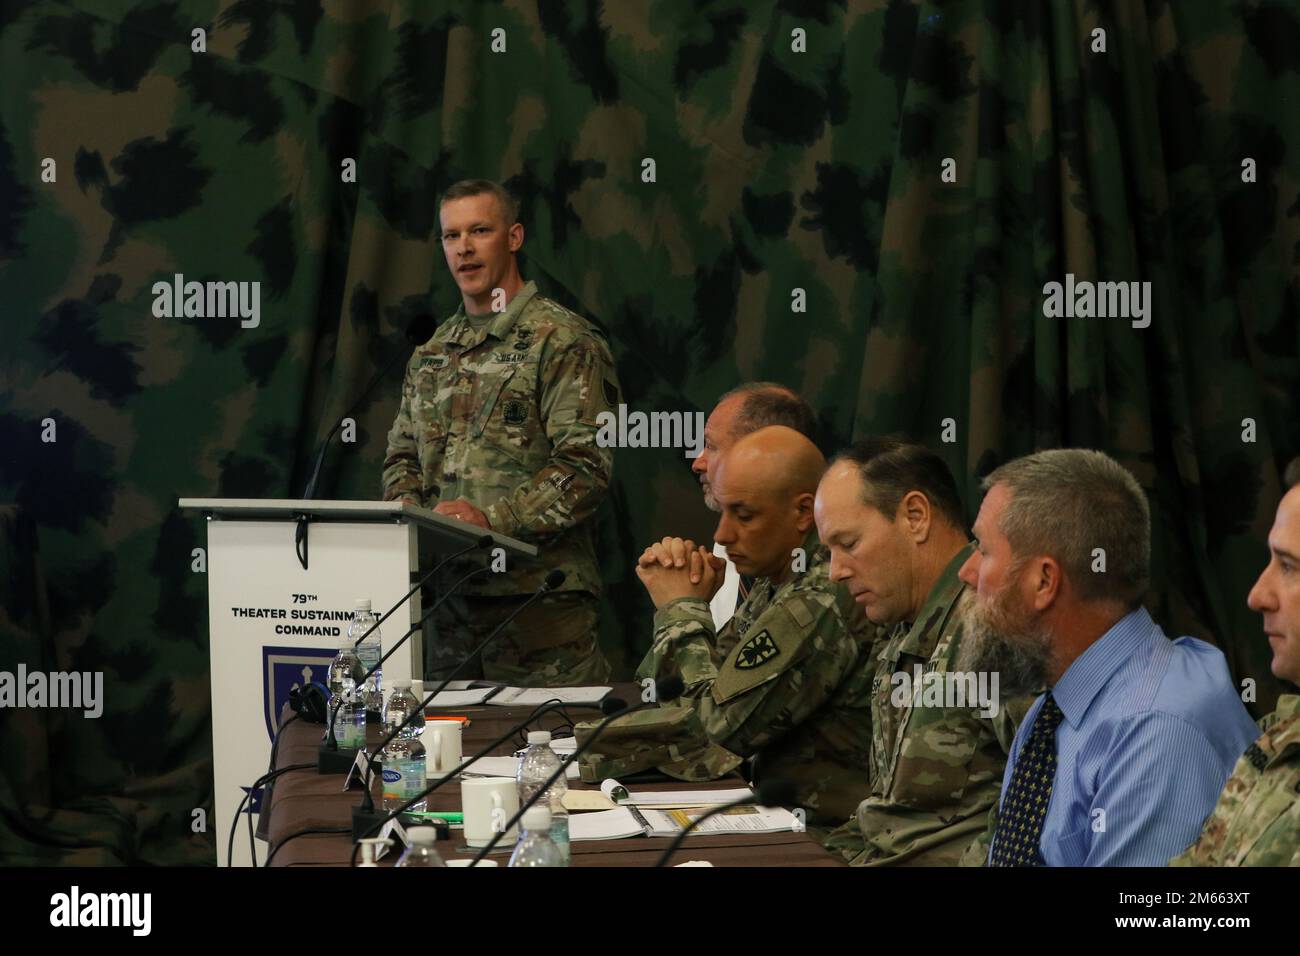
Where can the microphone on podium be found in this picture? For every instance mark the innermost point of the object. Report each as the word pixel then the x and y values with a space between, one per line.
pixel 769 793
pixel 417 332
pixel 669 688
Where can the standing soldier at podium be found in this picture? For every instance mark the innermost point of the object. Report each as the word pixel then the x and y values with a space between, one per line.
pixel 497 428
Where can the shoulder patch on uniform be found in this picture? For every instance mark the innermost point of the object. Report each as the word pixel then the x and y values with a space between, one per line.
pixel 756 651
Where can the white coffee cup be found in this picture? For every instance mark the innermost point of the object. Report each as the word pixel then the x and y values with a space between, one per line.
pixel 488 803
pixel 441 741
pixel 470 862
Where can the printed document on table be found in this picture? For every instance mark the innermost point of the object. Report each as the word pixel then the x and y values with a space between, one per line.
pixel 536 696
pixel 604 825
pixel 744 819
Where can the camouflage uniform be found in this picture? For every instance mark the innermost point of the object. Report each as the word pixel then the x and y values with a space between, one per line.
pixel 935 771
pixel 502 412
pixel 1257 819
pixel 784 681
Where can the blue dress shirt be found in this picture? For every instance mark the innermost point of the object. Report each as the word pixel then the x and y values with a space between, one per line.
pixel 1151 731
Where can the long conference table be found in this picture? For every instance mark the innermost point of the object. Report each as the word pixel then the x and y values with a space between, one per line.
pixel 304 800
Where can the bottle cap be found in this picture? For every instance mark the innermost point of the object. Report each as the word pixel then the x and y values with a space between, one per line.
pixel 537 818
pixel 363 604
pixel 539 737
pixel 422 836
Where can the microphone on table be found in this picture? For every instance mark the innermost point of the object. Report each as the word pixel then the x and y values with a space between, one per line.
pixel 331 742
pixel 669 688
pixel 364 815
pixel 769 793
pixel 330 759
pixel 536 714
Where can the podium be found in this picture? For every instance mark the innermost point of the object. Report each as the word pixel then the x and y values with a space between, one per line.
pixel 283 580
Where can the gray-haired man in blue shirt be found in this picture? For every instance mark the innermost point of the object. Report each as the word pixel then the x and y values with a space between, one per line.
pixel 1120 761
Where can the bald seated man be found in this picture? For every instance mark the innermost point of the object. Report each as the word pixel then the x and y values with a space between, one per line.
pixel 787 681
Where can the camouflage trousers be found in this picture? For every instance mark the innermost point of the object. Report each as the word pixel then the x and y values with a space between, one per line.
pixel 552 643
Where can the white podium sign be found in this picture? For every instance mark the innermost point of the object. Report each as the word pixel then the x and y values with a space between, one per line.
pixel 275 625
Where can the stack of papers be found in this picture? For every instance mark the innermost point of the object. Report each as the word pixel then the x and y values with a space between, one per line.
pixel 604 825
pixel 536 696
pixel 742 819
pixel 461 698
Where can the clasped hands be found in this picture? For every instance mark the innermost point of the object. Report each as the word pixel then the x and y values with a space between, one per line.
pixel 676 568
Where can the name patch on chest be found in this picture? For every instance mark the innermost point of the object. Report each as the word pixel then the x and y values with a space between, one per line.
pixel 432 362
pixel 509 358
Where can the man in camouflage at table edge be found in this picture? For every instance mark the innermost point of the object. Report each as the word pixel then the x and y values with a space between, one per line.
pixel 1257 819
pixel 890 513
pixel 497 427
pixel 793 689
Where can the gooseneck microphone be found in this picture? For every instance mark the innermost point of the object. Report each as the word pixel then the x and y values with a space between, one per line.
pixel 363 816
pixel 537 714
pixel 769 793
pixel 485 541
pixel 417 332
pixel 669 688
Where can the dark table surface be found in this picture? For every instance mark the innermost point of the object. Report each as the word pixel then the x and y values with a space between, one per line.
pixel 302 800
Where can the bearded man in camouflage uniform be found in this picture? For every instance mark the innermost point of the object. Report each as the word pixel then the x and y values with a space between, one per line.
pixel 786 680
pixel 1257 819
pixel 891 516
pixel 497 428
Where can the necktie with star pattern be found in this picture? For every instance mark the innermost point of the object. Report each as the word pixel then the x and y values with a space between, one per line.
pixel 1020 821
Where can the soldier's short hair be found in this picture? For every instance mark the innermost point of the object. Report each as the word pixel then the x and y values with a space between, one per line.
pixel 477 187
pixel 892 467
pixel 771 403
pixel 1068 502
pixel 1291 477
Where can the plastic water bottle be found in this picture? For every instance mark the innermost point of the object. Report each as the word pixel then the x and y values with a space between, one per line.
pixel 535 846
pixel 343 674
pixel 421 852
pixel 369 651
pixel 536 766
pixel 403 760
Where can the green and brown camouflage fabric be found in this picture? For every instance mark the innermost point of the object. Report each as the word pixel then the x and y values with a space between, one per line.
pixel 791 171
pixel 1257 819
pixel 935 770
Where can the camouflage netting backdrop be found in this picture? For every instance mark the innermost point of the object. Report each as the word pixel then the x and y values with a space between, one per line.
pixel 775 170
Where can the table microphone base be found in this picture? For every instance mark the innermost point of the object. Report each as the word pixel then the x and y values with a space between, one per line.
pixel 364 820
pixel 334 761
